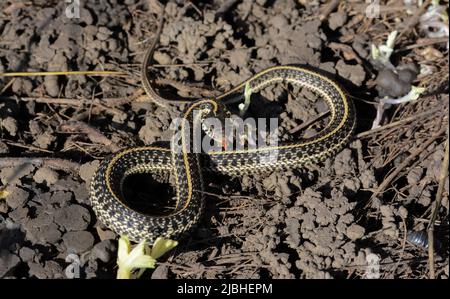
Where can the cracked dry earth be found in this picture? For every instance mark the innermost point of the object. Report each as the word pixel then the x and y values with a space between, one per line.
pixel 323 221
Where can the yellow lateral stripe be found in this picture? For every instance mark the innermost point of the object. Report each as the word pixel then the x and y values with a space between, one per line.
pixel 183 142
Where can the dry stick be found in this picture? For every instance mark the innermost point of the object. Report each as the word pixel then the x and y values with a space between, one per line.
pixel 423 43
pixel 11 82
pixel 400 122
pixel 93 134
pixel 50 162
pixel 442 177
pixel 62 73
pixel 57 101
pixel 26 146
pixel 405 163
pixel 190 88
pixel 106 104
pixel 328 9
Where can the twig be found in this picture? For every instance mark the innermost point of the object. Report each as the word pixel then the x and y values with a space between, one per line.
pixel 11 82
pixel 57 101
pixel 189 88
pixel 400 122
pixel 423 42
pixel 87 73
pixel 442 177
pixel 55 163
pixel 405 163
pixel 106 104
pixel 405 237
pixel 30 147
pixel 93 134
pixel 328 9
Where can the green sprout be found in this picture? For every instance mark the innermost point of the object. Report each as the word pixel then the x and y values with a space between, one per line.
pixel 382 53
pixel 243 107
pixel 413 95
pixel 141 257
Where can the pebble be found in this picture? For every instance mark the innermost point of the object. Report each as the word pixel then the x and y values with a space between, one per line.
pixel 337 19
pixel 17 197
pixel 8 261
pixel 47 175
pixel 73 218
pixel 355 232
pixel 10 125
pixel 161 272
pixel 104 250
pixel 78 241
pixel 26 254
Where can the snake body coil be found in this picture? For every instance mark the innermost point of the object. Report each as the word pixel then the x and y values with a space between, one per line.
pixel 106 187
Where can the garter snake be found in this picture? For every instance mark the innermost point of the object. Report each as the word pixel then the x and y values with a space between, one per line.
pixel 187 167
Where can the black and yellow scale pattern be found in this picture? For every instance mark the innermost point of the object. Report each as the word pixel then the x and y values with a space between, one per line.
pixel 106 187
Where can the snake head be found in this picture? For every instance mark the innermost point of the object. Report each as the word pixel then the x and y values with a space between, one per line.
pixel 212 117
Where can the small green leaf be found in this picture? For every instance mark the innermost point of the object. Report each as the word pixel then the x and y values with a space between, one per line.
pixel 140 257
pixel 416 92
pixel 144 261
pixel 161 246
pixel 412 95
pixel 243 107
pixel 375 52
pixel 390 43
pixel 132 259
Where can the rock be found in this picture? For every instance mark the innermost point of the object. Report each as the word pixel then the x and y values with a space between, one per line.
pixel 47 175
pixel 26 254
pixel 11 175
pixel 19 214
pixel 78 241
pixel 51 85
pixel 73 218
pixel 337 19
pixel 46 234
pixel 53 270
pixel 103 33
pixel 36 270
pixel 161 272
pixel 79 190
pixel 162 58
pixel 10 125
pixel 3 206
pixel 354 73
pixel 3 148
pixel 8 261
pixel 104 250
pixel 45 140
pixel 60 198
pixel 355 232
pixel 17 197
pixel 87 170
pixel 105 234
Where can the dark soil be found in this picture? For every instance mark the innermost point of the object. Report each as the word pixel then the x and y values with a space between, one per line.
pixel 323 221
